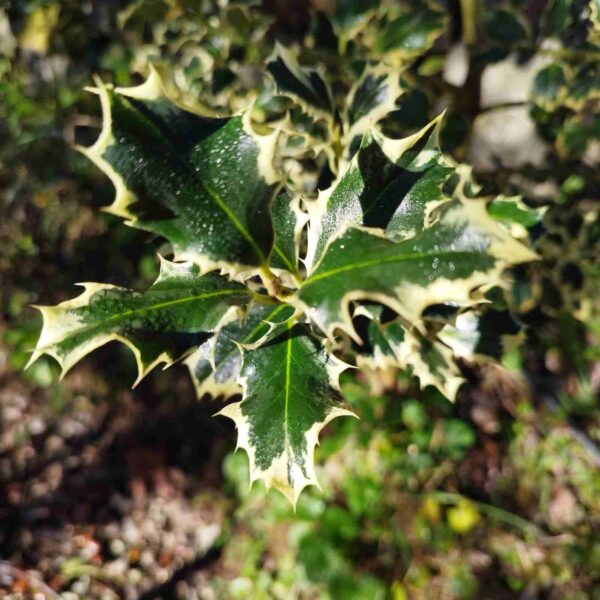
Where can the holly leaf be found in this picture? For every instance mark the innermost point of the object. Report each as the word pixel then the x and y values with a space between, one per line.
pixel 394 344
pixel 482 336
pixel 177 313
pixel 505 27
pixel 372 98
pixel 549 87
pixel 215 365
pixel 288 222
pixel 375 350
pixel 351 15
pixel 515 215
pixel 389 184
pixel 305 86
pixel 462 251
pixel 290 393
pixel 205 184
pixel 411 33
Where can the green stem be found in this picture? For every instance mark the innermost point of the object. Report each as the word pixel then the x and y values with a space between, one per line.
pixel 468 12
pixel 571 54
pixel 262 299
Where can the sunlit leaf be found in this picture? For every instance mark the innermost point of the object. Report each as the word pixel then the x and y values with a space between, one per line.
pixel 290 393
pixel 160 325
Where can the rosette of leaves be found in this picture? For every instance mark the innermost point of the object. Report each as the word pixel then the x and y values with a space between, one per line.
pixel 264 288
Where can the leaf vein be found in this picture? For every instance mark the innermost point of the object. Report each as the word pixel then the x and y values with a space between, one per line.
pixel 379 261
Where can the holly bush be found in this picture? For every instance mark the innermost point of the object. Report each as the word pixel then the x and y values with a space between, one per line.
pixel 315 192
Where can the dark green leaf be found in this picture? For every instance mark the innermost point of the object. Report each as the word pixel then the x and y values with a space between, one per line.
pixel 412 32
pixel 464 249
pixel 556 17
pixel 306 86
pixel 547 86
pixel 504 27
pixel 349 14
pixel 177 313
pixel 288 222
pixel 204 184
pixel 372 98
pixel 389 185
pixel 290 393
pixel 215 365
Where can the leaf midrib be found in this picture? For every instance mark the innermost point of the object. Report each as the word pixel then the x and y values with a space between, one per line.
pixel 248 337
pixel 285 259
pixel 288 376
pixel 391 259
pixel 128 313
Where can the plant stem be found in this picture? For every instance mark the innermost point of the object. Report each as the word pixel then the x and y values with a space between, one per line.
pixel 270 280
pixel 468 13
pixel 570 54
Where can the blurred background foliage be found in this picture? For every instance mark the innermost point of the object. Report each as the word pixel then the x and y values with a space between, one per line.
pixel 112 493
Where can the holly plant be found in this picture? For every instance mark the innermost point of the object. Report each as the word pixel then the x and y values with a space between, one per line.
pixel 274 288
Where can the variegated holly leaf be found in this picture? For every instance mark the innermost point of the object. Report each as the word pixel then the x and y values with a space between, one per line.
pixel 160 325
pixel 288 222
pixel 512 210
pixel 556 18
pixel 351 15
pixel 482 336
pixel 204 184
pixel 465 249
pixel 549 87
pixel 375 348
pixel 290 393
pixel 411 33
pixel 306 86
pixel 432 361
pixel 394 344
pixel 372 98
pixel 515 215
pixel 215 365
pixel 389 184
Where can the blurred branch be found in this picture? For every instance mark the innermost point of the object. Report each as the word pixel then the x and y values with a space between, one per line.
pixel 468 11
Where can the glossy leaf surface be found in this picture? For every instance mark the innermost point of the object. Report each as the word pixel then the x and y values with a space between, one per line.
pixel 465 249
pixel 290 393
pixel 215 365
pixel 160 325
pixel 288 222
pixel 204 184
pixel 389 185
